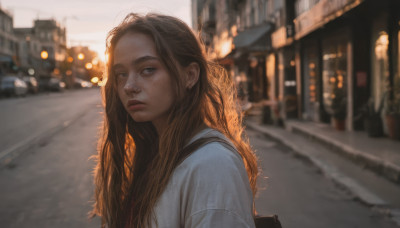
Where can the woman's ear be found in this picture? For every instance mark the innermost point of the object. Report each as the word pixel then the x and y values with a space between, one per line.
pixel 192 73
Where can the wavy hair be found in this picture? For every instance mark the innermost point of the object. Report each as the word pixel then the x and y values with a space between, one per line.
pixel 134 163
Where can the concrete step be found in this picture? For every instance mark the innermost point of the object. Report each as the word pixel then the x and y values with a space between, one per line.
pixel 370 155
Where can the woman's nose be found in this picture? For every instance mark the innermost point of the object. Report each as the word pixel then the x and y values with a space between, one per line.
pixel 131 85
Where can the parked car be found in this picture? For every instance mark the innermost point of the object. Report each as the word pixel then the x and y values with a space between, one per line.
pixel 32 84
pixel 13 86
pixel 86 84
pixel 56 84
pixel 80 83
pixel 43 83
pixel 51 84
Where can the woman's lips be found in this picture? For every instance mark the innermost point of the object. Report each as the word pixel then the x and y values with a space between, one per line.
pixel 134 105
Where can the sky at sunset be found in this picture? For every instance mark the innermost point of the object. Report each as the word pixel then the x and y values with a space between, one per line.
pixel 88 21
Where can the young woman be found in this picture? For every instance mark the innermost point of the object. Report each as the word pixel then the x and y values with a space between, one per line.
pixel 173 152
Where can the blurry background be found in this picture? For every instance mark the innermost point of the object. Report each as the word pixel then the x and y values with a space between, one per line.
pixel 318 81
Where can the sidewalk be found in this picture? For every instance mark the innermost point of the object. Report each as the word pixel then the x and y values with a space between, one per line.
pixel 382 155
pixel 324 146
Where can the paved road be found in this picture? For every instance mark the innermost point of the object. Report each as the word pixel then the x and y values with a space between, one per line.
pixel 24 120
pixel 50 183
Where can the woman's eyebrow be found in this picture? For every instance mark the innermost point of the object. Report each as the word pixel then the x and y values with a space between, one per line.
pixel 144 59
pixel 137 61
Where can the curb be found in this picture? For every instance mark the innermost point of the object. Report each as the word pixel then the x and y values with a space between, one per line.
pixel 363 194
pixel 384 168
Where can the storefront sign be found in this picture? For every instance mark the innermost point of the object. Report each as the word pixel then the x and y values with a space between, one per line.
pixel 322 12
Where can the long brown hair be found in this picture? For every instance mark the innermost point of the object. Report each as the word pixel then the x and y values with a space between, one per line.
pixel 134 162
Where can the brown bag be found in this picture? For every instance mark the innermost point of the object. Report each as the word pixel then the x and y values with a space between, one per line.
pixel 271 221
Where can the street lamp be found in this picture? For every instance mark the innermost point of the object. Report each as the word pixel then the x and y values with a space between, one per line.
pixel 44 54
pixel 95 80
pixel 88 66
pixel 81 56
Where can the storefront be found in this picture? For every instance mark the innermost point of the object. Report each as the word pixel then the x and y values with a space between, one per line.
pixel 251 48
pixel 380 62
pixel 311 80
pixel 336 73
pixel 396 63
pixel 257 81
pixel 289 95
pixel 385 78
pixel 349 64
pixel 284 70
pixel 326 62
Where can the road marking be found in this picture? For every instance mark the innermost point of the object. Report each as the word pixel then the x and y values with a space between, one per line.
pixel 40 134
pixel 19 145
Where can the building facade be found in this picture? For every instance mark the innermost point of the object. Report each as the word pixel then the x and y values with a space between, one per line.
pixel 28 51
pixel 41 49
pixel 8 44
pixel 53 41
pixel 349 59
pixel 326 61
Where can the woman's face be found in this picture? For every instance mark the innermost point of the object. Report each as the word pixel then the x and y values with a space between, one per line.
pixel 144 84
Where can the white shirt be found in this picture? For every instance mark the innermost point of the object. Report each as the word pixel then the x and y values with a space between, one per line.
pixel 210 188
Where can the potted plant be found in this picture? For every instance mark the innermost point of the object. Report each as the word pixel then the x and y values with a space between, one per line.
pixel 339 103
pixel 372 118
pixel 392 117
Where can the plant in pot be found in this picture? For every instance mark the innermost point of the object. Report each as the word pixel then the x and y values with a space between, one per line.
pixel 372 118
pixel 392 117
pixel 339 103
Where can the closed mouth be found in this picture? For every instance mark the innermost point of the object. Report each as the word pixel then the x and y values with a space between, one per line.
pixel 134 104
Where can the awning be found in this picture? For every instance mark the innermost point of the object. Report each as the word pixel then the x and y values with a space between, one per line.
pixel 250 36
pixel 6 59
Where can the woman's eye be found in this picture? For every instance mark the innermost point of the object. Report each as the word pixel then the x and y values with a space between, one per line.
pixel 148 70
pixel 121 74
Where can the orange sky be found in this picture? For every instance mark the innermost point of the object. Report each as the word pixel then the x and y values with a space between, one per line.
pixel 88 21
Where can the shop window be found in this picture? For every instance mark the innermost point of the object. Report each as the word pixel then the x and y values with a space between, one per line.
pixel 381 66
pixel 380 60
pixel 310 82
pixel 334 77
pixel 396 80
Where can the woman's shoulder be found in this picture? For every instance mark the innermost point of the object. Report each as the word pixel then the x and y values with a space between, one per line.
pixel 211 186
pixel 215 152
pixel 212 163
pixel 215 184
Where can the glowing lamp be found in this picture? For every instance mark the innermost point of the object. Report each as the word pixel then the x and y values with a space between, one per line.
pixel 44 54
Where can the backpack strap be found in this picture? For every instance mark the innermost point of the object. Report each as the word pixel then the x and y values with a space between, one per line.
pixel 189 149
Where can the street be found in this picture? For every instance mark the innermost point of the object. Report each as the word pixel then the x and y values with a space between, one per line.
pixel 47 182
pixel 50 184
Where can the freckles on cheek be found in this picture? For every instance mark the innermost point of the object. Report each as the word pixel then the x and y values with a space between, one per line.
pixel 119 87
pixel 120 93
